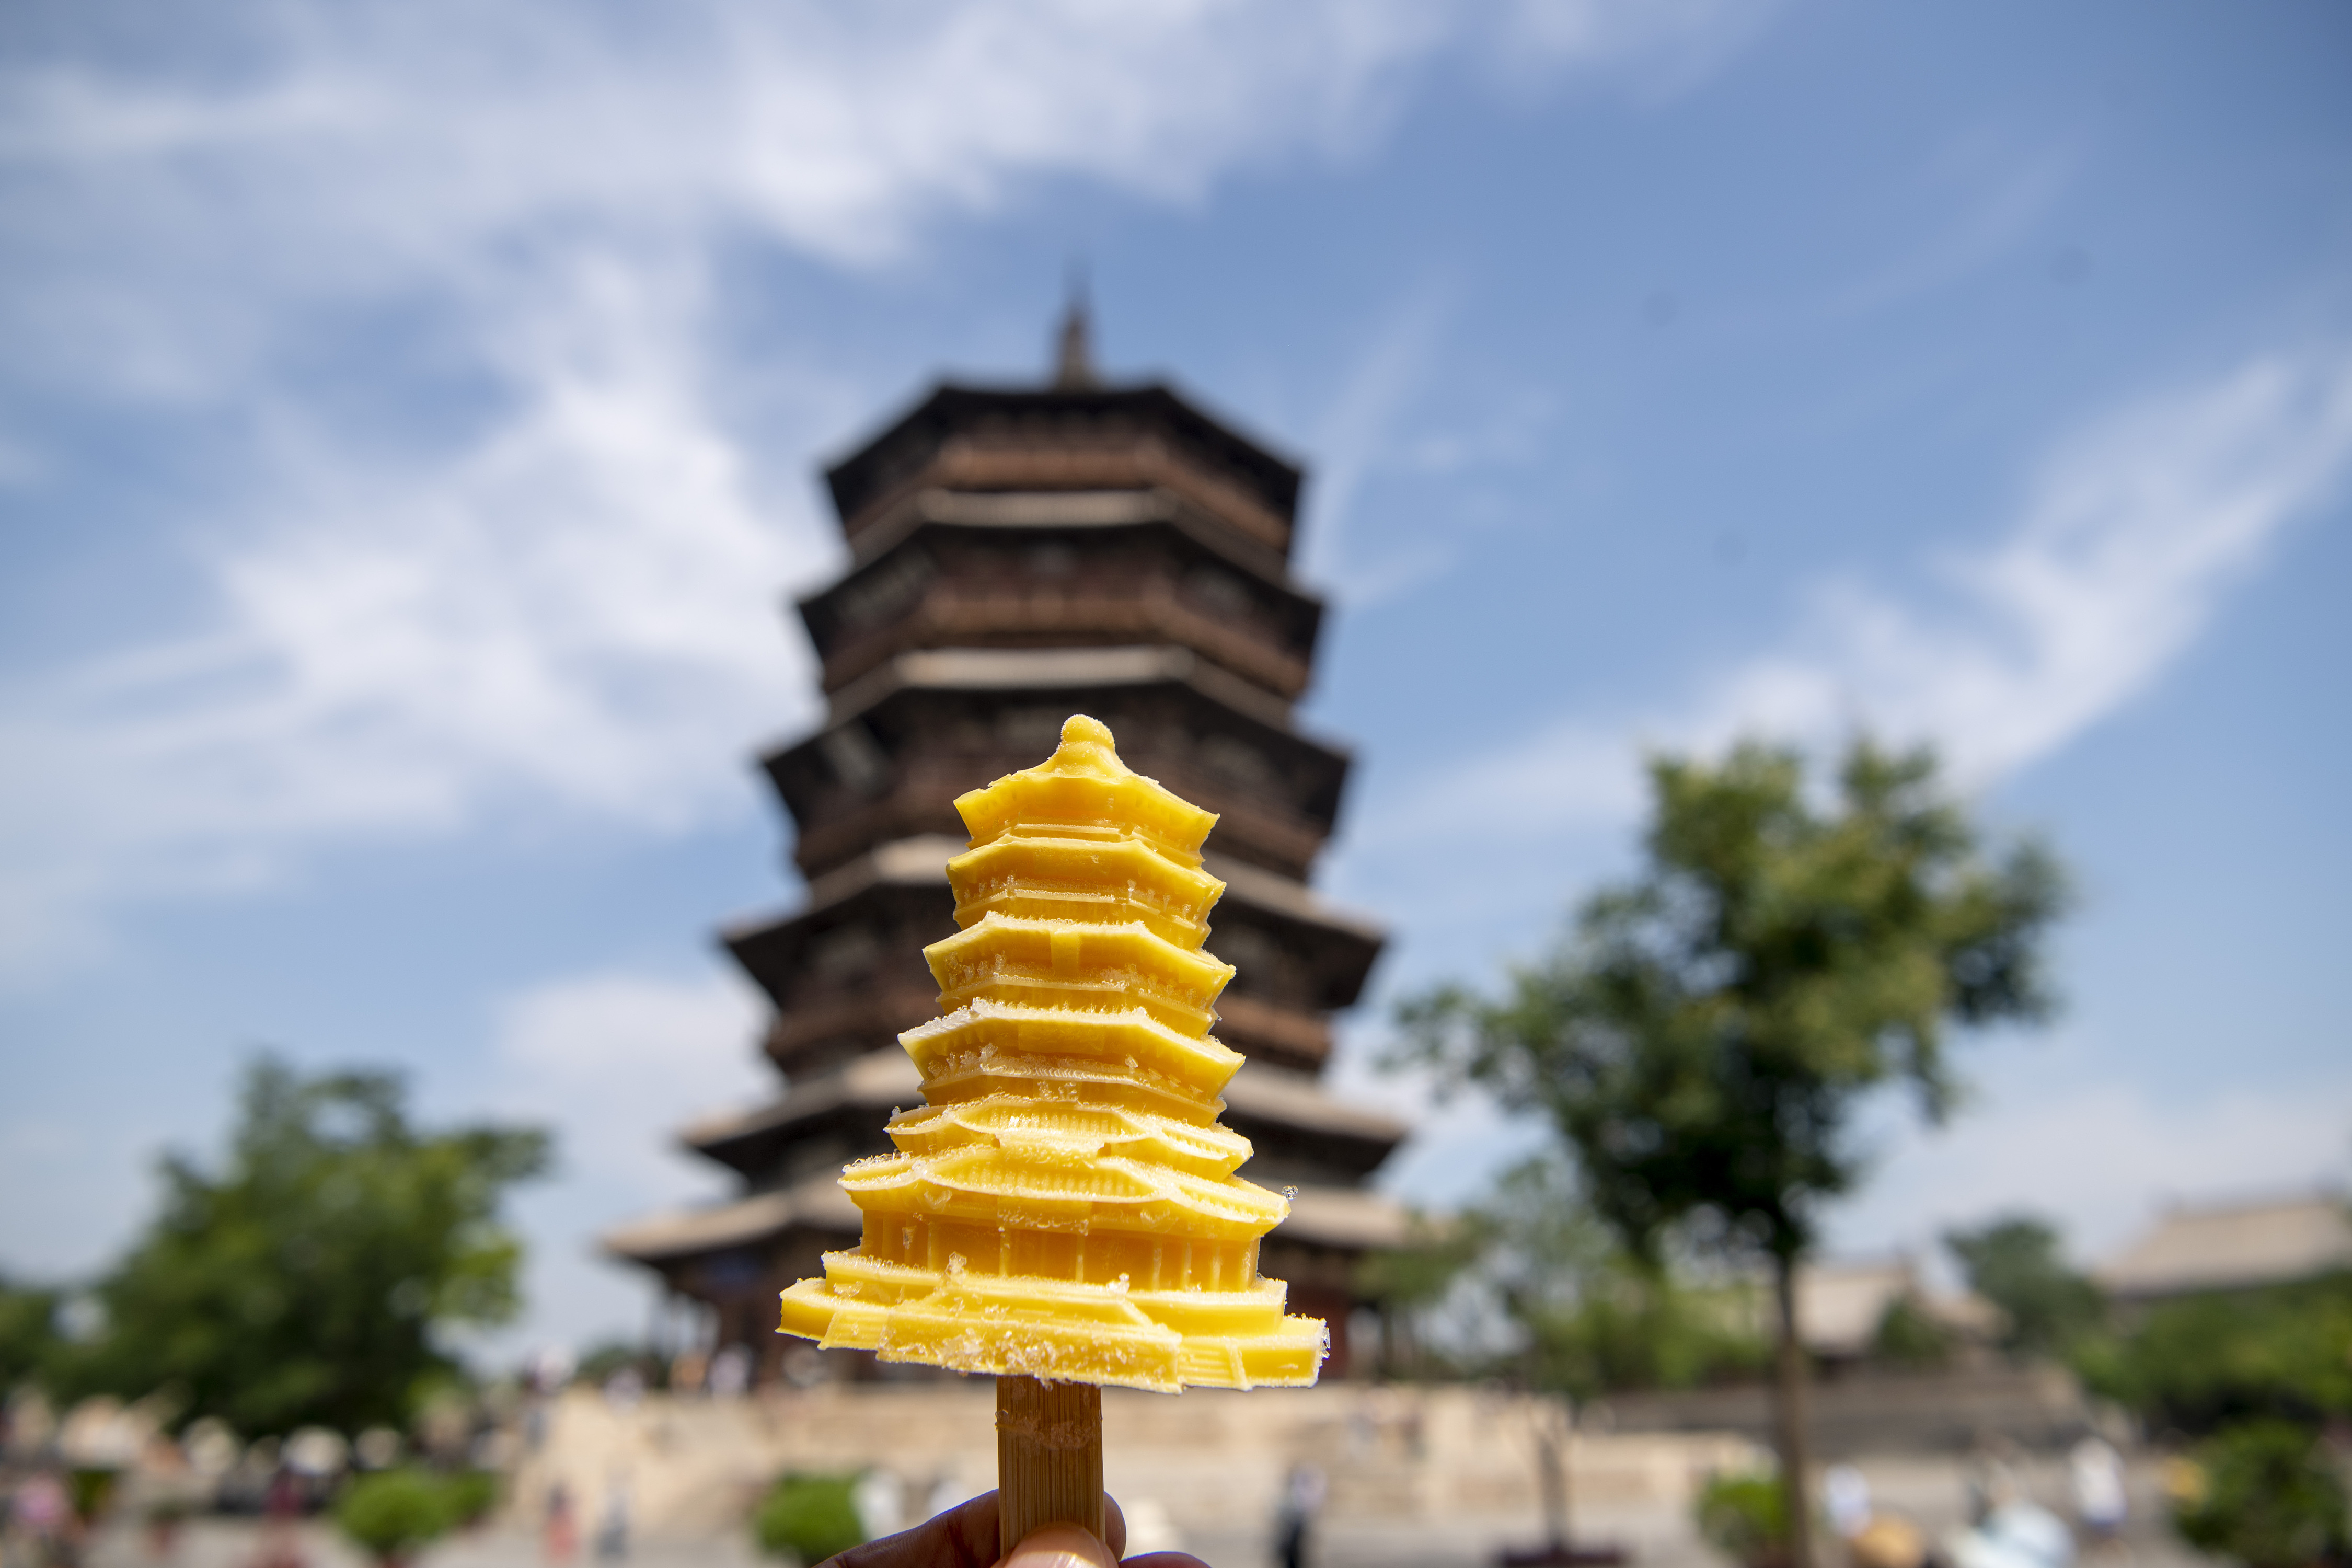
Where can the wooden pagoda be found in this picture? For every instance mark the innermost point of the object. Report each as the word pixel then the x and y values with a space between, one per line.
pixel 1018 555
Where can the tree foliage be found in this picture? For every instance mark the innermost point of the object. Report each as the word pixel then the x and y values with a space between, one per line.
pixel 1704 1036
pixel 29 1331
pixel 1601 1319
pixel 302 1281
pixel 2015 1264
pixel 2202 1361
pixel 2271 1498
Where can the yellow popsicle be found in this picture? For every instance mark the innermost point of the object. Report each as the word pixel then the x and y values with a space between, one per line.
pixel 1064 1205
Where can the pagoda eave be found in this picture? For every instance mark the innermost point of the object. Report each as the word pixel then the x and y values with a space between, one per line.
pixel 1029 512
pixel 911 445
pixel 851 1101
pixel 815 1203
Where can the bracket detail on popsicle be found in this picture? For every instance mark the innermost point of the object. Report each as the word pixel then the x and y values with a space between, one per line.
pixel 1064 1203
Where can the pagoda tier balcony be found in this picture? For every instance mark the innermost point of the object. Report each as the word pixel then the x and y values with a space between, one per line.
pixel 846 972
pixel 923 728
pixel 921 801
pixel 1086 569
pixel 1069 439
pixel 1073 614
pixel 1298 1132
pixel 1069 512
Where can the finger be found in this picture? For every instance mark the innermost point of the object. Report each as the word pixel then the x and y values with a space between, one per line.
pixel 1114 1525
pixel 963 1537
pixel 1060 1546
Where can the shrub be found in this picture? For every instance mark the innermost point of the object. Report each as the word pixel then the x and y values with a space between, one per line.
pixel 391 1513
pixel 2270 1500
pixel 1745 1518
pixel 472 1494
pixel 810 1517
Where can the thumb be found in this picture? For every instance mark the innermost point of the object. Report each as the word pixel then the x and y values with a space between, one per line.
pixel 1060 1546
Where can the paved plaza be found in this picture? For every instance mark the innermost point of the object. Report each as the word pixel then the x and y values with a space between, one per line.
pixel 1929 1490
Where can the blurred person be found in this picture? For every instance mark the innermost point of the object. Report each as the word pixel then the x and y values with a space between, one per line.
pixel 42 1518
pixel 1992 1481
pixel 2097 1472
pixel 613 1524
pixel 282 1515
pixel 2017 1533
pixel 559 1539
pixel 626 1389
pixel 730 1371
pixel 1887 1541
pixel 1845 1496
pixel 965 1537
pixel 1302 1499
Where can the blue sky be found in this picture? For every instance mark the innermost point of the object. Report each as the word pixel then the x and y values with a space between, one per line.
pixel 409 420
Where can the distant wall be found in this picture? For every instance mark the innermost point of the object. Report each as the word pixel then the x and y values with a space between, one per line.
pixel 1881 1412
pixel 694 1467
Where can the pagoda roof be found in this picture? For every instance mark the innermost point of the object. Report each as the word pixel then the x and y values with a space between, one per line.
pixel 1345 942
pixel 1035 511
pixel 1072 670
pixel 815 1202
pixel 859 1094
pixel 952 410
pixel 1350 1218
pixel 1313 1125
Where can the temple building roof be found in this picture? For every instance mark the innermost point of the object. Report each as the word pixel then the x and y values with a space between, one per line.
pixel 2233 1246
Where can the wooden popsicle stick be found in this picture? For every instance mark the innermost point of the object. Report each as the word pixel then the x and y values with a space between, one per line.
pixel 1049 1464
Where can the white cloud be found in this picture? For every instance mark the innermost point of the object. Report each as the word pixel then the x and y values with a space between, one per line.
pixel 576 611
pixel 616 1063
pixel 567 603
pixel 2124 547
pixel 317 150
pixel 2104 1159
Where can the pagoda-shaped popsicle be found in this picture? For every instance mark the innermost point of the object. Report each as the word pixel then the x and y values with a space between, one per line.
pixel 1063 1205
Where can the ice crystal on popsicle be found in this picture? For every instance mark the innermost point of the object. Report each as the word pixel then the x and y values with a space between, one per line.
pixel 1063 1205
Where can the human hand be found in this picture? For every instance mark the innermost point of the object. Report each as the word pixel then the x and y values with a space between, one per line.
pixel 965 1537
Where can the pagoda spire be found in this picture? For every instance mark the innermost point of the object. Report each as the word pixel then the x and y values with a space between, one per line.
pixel 1073 356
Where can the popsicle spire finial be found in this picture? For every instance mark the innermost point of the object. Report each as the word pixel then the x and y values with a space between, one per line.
pixel 1086 746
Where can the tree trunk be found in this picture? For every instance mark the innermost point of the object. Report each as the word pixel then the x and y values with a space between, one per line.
pixel 1551 1455
pixel 1790 1417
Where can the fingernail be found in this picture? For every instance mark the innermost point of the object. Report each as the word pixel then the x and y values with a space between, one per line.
pixel 1060 1546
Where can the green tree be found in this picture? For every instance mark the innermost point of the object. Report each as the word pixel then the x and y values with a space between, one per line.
pixel 1704 1037
pixel 28 1333
pixel 303 1280
pixel 2202 1361
pixel 1596 1318
pixel 2015 1264
pixel 2271 1498
pixel 1408 1284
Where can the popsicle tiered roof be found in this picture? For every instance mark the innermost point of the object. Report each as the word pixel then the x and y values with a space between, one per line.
pixel 1064 1205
